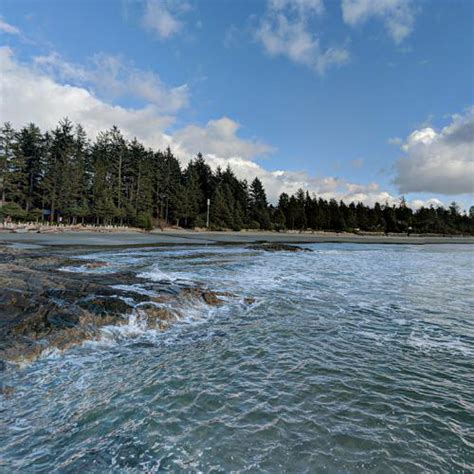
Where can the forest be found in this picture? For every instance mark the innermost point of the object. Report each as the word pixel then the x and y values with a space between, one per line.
pixel 63 176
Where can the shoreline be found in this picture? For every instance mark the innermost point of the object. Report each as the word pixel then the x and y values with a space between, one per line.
pixel 185 237
pixel 43 307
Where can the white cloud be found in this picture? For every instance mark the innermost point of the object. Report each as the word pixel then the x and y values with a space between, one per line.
pixel 28 94
pixel 112 77
pixel 439 161
pixel 285 30
pixel 302 7
pixel 395 141
pixel 162 16
pixel 398 16
pixel 417 203
pixel 8 28
pixel 219 138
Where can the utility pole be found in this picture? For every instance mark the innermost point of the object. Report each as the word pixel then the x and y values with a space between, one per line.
pixel 208 205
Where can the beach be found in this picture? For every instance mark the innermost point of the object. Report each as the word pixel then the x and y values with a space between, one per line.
pixel 188 237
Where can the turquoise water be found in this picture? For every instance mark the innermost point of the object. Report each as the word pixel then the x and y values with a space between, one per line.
pixel 353 358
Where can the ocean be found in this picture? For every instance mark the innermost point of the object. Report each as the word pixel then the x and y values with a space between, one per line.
pixel 348 358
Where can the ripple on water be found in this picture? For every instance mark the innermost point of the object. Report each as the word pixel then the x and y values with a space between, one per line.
pixel 353 358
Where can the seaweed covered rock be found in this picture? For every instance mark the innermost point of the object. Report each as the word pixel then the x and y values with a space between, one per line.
pixel 157 317
pixel 278 247
pixel 106 305
pixel 43 307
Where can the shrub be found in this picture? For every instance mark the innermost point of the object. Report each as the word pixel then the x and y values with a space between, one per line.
pixel 13 210
pixel 144 221
pixel 35 215
pixel 254 225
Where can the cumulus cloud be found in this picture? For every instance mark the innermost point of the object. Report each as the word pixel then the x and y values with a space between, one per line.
pixel 112 77
pixel 29 94
pixel 432 202
pixel 279 181
pixel 285 30
pixel 163 16
pixel 8 28
pixel 439 161
pixel 219 138
pixel 398 16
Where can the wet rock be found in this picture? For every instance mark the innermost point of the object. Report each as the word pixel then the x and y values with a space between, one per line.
pixel 278 247
pixel 7 391
pixel 43 308
pixel 104 306
pixel 63 340
pixel 157 316
pixel 62 320
pixel 96 265
pixel 212 298
pixel 33 322
pixel 22 350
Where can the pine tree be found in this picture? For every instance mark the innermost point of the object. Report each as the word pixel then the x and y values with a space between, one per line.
pixel 115 181
pixel 192 196
pixel 259 205
pixel 30 152
pixel 7 158
pixel 221 210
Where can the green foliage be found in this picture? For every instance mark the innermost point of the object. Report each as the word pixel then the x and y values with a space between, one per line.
pixel 34 215
pixel 254 225
pixel 13 210
pixel 144 221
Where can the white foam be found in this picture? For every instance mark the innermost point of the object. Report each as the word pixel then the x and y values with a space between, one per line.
pixel 426 343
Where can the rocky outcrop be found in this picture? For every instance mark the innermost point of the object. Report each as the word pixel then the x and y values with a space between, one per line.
pixel 278 247
pixel 42 307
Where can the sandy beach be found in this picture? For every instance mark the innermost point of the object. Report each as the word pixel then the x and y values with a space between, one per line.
pixel 177 237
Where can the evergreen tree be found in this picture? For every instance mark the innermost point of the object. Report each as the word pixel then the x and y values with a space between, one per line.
pixel 30 152
pixel 114 181
pixel 192 196
pixel 7 160
pixel 57 185
pixel 259 205
pixel 221 215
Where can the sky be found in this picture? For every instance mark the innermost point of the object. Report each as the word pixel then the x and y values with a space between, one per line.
pixel 360 100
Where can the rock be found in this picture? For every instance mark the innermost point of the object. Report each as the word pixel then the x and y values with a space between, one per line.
pixel 157 317
pixel 23 350
pixel 71 337
pixel 43 308
pixel 7 391
pixel 211 298
pixel 104 306
pixel 96 264
pixel 278 247
pixel 60 320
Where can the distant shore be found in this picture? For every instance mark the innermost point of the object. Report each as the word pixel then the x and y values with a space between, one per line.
pixel 188 237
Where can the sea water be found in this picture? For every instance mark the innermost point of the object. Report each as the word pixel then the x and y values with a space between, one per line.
pixel 349 358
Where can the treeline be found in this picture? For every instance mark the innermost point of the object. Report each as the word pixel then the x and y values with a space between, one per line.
pixel 62 176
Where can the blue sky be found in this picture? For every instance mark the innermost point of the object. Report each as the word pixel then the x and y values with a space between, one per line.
pixel 353 99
